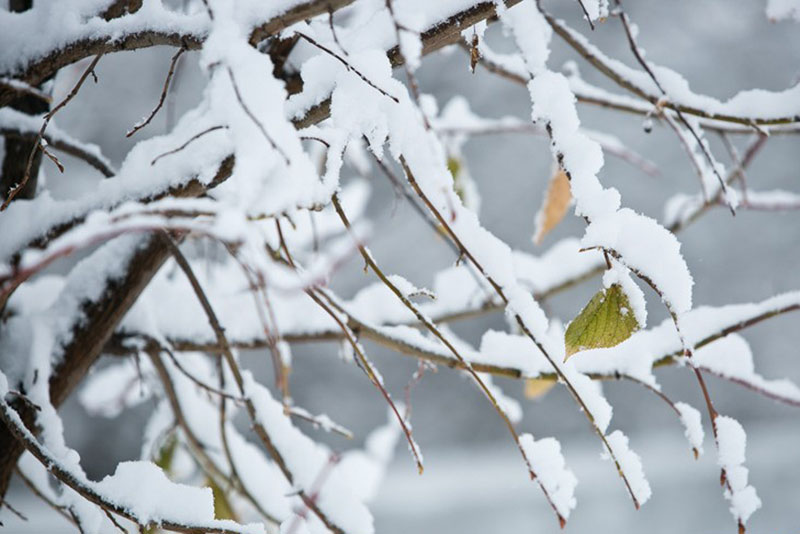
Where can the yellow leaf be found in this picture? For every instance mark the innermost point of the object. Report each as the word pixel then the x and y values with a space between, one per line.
pixel 606 321
pixel 554 206
pixel 538 387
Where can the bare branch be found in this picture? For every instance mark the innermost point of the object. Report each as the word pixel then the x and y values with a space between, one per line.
pixel 164 91
pixel 601 63
pixel 222 340
pixel 87 490
pixel 13 192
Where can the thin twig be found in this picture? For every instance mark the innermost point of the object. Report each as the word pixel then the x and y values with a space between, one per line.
pixel 703 148
pixel 431 327
pixel 87 491
pixel 604 66
pixel 164 91
pixel 347 65
pixel 261 432
pixel 499 290
pixel 253 118
pixel 38 144
pixel 67 146
pixel 187 143
pixel 586 14
pixel 661 395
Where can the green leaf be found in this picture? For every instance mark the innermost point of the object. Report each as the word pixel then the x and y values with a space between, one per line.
pixel 606 321
pixel 454 165
pixel 165 454
pixel 222 506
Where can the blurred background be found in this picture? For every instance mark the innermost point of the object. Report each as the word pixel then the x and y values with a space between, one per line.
pixel 474 480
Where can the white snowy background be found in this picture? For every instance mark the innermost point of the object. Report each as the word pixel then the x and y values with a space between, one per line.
pixel 474 481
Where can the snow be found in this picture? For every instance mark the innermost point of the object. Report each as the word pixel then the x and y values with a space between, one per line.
pixel 163 498
pixel 732 441
pixel 693 425
pixel 756 104
pixel 168 502
pixel 648 248
pixel 137 179
pixel 113 389
pixel 306 459
pixel 631 465
pixel 620 275
pixel 247 114
pixel 548 463
pixel 65 25
pixel 530 31
pixel 731 358
pixel 365 469
pixel 582 158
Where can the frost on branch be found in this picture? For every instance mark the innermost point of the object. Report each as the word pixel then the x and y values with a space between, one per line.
pixel 226 234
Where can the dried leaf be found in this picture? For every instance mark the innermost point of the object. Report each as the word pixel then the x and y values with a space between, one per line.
pixel 538 387
pixel 474 53
pixel 554 206
pixel 606 321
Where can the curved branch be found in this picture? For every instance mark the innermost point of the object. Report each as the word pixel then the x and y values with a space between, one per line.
pixel 87 152
pixel 587 93
pixel 258 427
pixel 384 336
pixel 87 490
pixel 611 71
pixel 50 62
pixel 433 329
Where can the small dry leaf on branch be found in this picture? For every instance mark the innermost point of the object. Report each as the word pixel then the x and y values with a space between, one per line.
pixel 537 387
pixel 474 53
pixel 554 206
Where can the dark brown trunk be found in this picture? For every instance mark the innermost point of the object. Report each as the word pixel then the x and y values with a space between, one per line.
pixel 18 150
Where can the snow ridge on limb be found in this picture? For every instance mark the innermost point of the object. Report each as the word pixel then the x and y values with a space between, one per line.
pixel 753 106
pixel 305 459
pixel 174 506
pixel 611 228
pixel 581 158
pixel 693 426
pixel 632 464
pixel 549 465
pixel 731 441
